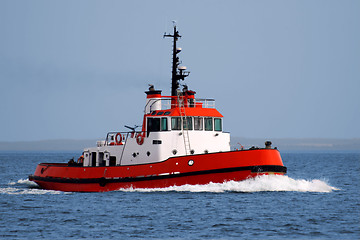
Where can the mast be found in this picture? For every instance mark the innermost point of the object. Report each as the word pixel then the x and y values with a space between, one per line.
pixel 178 72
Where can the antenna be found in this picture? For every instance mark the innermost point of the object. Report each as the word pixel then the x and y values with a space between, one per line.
pixel 178 72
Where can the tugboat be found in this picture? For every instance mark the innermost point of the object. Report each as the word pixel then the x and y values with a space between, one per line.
pixel 181 142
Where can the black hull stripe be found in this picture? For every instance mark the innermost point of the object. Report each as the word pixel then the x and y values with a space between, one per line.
pixel 103 181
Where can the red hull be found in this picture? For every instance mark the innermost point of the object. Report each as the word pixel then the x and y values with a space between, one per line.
pixel 176 171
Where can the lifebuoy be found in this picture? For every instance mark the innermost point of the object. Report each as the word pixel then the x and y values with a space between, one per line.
pixel 139 139
pixel 118 139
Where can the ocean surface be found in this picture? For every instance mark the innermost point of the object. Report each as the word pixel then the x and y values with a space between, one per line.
pixel 319 198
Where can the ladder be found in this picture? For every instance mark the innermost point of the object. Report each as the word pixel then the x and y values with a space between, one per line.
pixel 185 132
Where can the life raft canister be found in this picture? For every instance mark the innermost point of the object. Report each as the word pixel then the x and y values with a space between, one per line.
pixel 139 138
pixel 118 139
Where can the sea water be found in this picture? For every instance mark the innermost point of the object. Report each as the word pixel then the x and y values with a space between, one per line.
pixel 319 198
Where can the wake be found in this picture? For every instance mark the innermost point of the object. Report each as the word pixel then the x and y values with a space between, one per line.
pixel 265 183
pixel 24 186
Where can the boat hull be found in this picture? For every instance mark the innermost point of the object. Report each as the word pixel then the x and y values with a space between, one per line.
pixel 176 171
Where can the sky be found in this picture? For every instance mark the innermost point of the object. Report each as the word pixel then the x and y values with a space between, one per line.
pixel 277 69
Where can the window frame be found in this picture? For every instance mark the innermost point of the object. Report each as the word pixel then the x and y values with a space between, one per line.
pixel 216 129
pixel 206 124
pixel 178 124
pixel 162 124
pixel 186 122
pixel 199 127
pixel 150 126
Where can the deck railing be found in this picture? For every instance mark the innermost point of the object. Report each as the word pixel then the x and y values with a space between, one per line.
pixel 167 103
pixel 118 138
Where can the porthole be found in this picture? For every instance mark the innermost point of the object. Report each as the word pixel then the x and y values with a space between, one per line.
pixel 191 162
pixel 174 151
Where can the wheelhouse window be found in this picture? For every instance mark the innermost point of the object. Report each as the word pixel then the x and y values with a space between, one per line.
pixel 217 124
pixel 175 123
pixel 188 123
pixel 153 124
pixel 208 124
pixel 198 123
pixel 157 124
pixel 164 124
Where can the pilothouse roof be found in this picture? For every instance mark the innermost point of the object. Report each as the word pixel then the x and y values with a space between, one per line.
pixel 190 112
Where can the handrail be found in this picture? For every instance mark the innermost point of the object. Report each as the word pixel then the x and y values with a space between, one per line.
pixel 167 103
pixel 122 152
pixel 124 136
